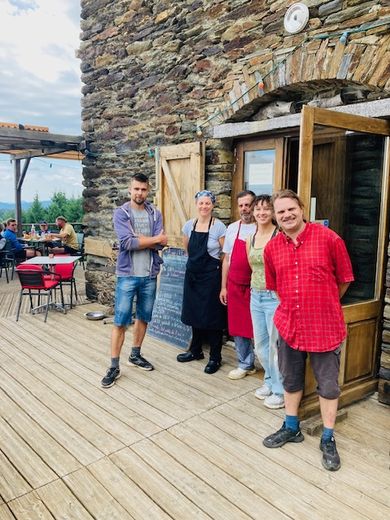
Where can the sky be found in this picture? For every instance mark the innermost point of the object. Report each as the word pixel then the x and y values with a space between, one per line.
pixel 40 85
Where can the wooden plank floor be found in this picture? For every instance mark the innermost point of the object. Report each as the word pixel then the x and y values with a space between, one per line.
pixel 172 443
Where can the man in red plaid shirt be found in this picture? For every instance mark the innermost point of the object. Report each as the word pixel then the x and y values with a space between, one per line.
pixel 308 266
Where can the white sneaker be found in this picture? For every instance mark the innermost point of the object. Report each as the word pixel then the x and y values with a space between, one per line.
pixel 239 373
pixel 274 401
pixel 263 392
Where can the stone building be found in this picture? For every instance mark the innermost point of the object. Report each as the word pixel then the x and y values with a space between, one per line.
pixel 234 75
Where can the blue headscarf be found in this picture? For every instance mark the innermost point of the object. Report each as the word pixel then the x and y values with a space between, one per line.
pixel 205 193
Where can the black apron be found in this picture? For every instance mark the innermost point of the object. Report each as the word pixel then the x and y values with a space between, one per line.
pixel 202 308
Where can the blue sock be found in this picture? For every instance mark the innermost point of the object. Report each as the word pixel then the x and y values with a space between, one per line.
pixel 327 434
pixel 136 351
pixel 292 422
pixel 115 362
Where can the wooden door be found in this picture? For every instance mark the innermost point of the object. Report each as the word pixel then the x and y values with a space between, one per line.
pixel 343 181
pixel 258 167
pixel 180 173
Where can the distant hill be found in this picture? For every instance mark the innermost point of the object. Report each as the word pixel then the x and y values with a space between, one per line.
pixel 25 204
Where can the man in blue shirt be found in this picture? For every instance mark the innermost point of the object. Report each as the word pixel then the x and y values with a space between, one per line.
pixel 20 251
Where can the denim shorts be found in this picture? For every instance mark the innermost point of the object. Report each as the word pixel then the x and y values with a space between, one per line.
pixel 144 289
pixel 325 366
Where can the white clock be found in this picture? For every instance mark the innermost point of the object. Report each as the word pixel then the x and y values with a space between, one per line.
pixel 296 18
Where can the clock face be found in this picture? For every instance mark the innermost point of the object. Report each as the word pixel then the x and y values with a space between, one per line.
pixel 296 18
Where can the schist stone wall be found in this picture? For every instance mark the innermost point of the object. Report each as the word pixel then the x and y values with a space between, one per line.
pixel 158 72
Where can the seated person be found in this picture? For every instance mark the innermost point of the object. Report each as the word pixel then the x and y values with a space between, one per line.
pixel 44 228
pixel 68 237
pixel 20 251
pixel 47 233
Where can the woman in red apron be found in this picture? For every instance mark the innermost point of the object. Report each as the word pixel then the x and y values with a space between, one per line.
pixel 238 308
pixel 202 310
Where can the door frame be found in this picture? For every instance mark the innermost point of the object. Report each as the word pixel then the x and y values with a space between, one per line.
pixel 361 311
pixel 312 116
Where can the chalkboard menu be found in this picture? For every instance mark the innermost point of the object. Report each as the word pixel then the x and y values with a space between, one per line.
pixel 166 324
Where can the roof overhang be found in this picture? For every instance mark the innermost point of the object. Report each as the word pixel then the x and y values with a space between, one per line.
pixel 26 142
pixel 378 108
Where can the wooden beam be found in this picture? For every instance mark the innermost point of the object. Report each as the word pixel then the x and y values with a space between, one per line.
pixel 22 176
pixel 46 152
pixel 33 135
pixel 18 199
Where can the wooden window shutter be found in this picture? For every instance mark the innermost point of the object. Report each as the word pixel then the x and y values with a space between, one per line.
pixel 180 173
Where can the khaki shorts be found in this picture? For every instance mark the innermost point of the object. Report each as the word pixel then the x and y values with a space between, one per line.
pixel 325 366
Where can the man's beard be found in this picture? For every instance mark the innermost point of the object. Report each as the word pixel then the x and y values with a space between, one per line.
pixel 246 218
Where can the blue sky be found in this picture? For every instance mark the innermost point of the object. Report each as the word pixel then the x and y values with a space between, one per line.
pixel 40 85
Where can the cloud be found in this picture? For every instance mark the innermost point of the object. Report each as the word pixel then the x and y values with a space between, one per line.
pixel 44 176
pixel 40 78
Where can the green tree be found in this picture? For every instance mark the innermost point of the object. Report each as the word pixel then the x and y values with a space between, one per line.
pixel 57 207
pixel 71 209
pixel 75 209
pixel 35 213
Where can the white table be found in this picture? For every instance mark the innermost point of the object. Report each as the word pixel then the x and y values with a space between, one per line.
pixel 55 260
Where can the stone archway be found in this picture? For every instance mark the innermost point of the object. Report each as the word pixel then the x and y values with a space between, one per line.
pixel 315 66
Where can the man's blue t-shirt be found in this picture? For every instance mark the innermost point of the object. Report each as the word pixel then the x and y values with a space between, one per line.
pixel 11 236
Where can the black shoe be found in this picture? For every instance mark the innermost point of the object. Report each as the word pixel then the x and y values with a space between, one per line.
pixel 330 456
pixel 140 362
pixel 108 380
pixel 189 356
pixel 279 438
pixel 212 367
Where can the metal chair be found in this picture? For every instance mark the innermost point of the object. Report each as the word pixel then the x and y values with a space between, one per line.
pixel 66 273
pixel 10 257
pixel 4 264
pixel 35 282
pixel 80 252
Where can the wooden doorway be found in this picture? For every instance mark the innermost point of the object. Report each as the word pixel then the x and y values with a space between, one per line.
pixel 180 174
pixel 339 164
pixel 343 179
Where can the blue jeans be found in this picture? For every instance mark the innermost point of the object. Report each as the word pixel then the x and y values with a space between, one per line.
pixel 144 288
pixel 245 354
pixel 263 305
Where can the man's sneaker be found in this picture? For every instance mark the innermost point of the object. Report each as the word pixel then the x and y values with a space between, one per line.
pixel 239 373
pixel 140 362
pixel 274 401
pixel 112 374
pixel 263 392
pixel 279 438
pixel 330 456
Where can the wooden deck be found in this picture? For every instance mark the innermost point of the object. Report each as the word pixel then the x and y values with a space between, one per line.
pixel 172 443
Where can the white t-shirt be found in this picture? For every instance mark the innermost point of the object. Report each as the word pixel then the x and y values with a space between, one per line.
pixel 231 233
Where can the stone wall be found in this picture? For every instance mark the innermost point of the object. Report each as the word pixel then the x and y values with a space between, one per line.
pixel 163 72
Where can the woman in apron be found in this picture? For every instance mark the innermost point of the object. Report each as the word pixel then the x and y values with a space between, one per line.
pixel 263 305
pixel 202 310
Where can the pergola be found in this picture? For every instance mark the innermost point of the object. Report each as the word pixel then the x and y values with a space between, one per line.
pixel 24 142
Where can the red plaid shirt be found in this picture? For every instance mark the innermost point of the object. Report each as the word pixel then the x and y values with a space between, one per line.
pixel 306 277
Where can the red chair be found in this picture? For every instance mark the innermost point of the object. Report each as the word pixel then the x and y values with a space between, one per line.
pixel 35 282
pixel 66 273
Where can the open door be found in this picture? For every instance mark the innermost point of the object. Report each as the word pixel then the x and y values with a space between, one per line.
pixel 343 181
pixel 180 172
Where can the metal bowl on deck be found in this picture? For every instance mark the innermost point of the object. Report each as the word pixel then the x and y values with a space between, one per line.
pixel 95 315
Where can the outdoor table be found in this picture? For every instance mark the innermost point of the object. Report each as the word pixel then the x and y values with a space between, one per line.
pixel 40 244
pixel 52 260
pixel 49 261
